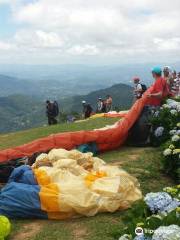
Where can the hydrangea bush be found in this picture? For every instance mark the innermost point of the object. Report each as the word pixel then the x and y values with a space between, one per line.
pixel 166 133
pixel 158 215
pixel 171 154
pixel 164 121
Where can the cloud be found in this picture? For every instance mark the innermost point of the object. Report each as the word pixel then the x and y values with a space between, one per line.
pixel 83 50
pixel 138 29
pixel 38 39
pixel 6 46
pixel 171 44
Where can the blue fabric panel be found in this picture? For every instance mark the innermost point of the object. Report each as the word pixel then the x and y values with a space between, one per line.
pixel 88 147
pixel 18 200
pixel 23 174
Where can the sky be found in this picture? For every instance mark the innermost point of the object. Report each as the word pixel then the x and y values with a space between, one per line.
pixel 89 31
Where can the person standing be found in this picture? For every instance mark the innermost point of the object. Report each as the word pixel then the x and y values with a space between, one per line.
pixel 109 103
pixel 87 109
pixel 168 76
pixel 50 113
pixel 160 89
pixel 104 106
pixel 177 85
pixel 138 91
pixel 99 105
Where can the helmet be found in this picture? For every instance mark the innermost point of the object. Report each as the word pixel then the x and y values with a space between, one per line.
pixel 83 102
pixel 157 70
pixel 136 79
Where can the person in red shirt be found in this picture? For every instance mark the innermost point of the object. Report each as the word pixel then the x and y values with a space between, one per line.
pixel 139 134
pixel 160 88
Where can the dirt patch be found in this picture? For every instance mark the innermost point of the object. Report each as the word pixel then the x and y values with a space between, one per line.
pixel 133 157
pixel 28 231
pixel 137 175
pixel 79 232
pixel 116 163
pixel 139 170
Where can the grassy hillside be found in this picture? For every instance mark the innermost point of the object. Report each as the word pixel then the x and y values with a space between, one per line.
pixel 143 163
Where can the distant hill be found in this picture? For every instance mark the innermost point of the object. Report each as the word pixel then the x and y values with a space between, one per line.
pixel 48 88
pixel 12 85
pixel 20 112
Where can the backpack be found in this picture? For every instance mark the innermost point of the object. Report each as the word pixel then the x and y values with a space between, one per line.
pixel 144 88
pixel 55 109
pixel 89 108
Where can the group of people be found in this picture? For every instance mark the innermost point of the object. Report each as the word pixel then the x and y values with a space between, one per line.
pixel 169 83
pixel 166 84
pixel 103 106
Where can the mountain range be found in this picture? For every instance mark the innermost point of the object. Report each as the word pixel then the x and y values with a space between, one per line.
pixel 46 88
pixel 59 81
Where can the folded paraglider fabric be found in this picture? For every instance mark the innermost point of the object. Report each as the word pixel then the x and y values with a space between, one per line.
pixel 64 184
pixel 112 114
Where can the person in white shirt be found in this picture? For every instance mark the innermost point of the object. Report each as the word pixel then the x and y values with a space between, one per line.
pixel 138 91
pixel 99 105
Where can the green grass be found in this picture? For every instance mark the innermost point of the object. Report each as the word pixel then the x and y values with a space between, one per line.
pixel 143 163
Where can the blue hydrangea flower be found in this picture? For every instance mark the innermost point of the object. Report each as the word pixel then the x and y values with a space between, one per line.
pixel 161 202
pixel 171 232
pixel 178 132
pixel 142 237
pixel 159 131
pixel 173 205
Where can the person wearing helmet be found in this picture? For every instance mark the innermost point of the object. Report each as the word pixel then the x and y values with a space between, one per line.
pixel 87 109
pixel 99 105
pixel 83 108
pixel 160 88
